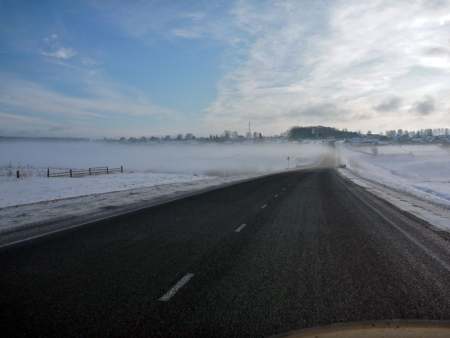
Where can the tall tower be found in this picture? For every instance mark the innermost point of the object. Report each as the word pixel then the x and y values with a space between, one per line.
pixel 249 133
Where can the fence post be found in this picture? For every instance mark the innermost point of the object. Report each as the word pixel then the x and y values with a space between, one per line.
pixel 70 171
pixel 121 169
pixel 89 171
pixel 107 171
pixel 17 174
pixel 48 172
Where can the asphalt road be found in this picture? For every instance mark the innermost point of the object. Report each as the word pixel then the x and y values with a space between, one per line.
pixel 315 249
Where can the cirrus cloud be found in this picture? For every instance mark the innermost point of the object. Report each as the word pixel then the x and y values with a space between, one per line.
pixel 61 53
pixel 352 55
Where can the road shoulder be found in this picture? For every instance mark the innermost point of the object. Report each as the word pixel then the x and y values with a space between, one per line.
pixel 437 216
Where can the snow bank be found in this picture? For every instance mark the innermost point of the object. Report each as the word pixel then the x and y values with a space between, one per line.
pixel 414 177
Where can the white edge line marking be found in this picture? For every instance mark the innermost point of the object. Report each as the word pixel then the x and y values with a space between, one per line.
pixel 182 282
pixel 242 226
pixel 405 233
pixel 265 205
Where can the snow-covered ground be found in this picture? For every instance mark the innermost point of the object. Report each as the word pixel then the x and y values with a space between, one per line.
pixel 414 177
pixel 201 159
pixel 59 213
pixel 36 188
pixel 145 165
pixel 153 173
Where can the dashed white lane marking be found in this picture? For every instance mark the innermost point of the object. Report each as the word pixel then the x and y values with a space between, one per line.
pixel 265 205
pixel 242 226
pixel 182 282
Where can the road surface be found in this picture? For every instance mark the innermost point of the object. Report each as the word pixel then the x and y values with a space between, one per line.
pixel 282 252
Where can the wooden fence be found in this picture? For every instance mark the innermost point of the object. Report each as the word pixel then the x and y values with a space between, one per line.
pixel 83 172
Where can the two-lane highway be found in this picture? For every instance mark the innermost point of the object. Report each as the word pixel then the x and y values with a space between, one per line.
pixel 282 252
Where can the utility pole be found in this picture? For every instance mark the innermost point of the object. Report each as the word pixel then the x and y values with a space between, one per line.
pixel 288 160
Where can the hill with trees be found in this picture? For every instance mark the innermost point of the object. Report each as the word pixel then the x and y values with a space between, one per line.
pixel 319 132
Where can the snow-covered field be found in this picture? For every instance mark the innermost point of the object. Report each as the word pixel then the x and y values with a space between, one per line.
pixel 154 173
pixel 36 218
pixel 36 188
pixel 206 159
pixel 145 165
pixel 415 177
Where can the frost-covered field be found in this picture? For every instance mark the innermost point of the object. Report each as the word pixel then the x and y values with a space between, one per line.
pixel 154 173
pixel 420 171
pixel 40 188
pixel 145 165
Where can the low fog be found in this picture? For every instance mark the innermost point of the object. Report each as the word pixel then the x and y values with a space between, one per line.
pixel 205 159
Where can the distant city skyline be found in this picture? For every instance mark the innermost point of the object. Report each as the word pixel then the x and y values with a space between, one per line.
pixel 424 135
pixel 135 68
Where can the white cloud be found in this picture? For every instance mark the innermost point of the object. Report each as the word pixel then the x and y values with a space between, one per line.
pixel 89 62
pixel 52 48
pixel 101 100
pixel 30 106
pixel 356 64
pixel 16 124
pixel 187 33
pixel 61 53
pixel 50 38
pixel 152 20
pixel 333 63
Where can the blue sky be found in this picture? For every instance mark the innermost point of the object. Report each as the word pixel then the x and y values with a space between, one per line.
pixel 132 68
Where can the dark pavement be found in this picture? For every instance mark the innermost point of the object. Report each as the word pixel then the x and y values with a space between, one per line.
pixel 315 249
